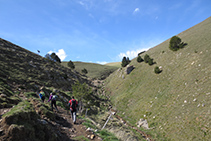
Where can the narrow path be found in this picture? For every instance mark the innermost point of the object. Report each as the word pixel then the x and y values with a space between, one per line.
pixel 69 130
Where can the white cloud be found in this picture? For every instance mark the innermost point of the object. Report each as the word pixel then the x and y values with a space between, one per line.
pixel 61 54
pixel 131 54
pixel 136 10
pixel 143 46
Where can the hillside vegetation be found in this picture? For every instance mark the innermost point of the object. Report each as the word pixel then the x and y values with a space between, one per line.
pixel 22 75
pixel 95 71
pixel 175 102
pixel 116 64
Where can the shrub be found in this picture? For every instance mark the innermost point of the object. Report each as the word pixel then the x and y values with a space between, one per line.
pixel 157 70
pixel 150 62
pixel 84 71
pixel 139 59
pixel 141 53
pixel 125 61
pixel 176 44
pixel 71 64
pixel 53 57
pixel 146 58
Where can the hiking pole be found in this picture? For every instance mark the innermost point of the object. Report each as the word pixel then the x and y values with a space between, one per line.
pixel 106 121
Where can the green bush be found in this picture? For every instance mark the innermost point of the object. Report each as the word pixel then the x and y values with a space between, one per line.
pixel 157 70
pixel 125 61
pixel 176 44
pixel 71 64
pixel 139 59
pixel 84 71
pixel 148 60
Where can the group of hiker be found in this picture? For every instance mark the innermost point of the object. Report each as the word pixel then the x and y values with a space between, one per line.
pixel 73 104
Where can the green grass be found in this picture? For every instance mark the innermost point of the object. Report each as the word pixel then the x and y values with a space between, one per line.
pixel 115 64
pixel 20 112
pixel 167 99
pixel 107 136
pixel 95 71
pixel 81 138
pixel 104 134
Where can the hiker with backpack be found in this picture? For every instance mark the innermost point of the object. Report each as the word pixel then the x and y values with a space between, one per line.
pixel 73 108
pixel 42 95
pixel 53 98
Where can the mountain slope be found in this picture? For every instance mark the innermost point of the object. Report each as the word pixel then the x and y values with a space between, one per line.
pixel 22 67
pixel 22 75
pixel 95 71
pixel 177 101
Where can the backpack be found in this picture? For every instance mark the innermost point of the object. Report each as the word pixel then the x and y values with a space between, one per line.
pixel 42 93
pixel 54 97
pixel 73 105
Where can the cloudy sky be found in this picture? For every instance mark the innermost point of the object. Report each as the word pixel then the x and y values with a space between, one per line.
pixel 97 31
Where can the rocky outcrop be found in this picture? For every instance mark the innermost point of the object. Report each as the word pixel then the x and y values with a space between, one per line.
pixel 129 69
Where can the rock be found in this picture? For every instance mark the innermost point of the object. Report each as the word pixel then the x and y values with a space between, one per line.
pixel 143 123
pixel 129 69
pixel 42 121
pixel 92 136
pixel 3 95
pixel 89 129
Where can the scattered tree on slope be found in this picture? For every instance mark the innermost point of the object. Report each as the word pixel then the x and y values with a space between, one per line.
pixel 125 61
pixel 53 57
pixel 71 64
pixel 139 59
pixel 176 44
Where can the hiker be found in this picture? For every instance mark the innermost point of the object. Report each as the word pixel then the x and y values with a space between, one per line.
pixel 53 98
pixel 42 95
pixel 73 105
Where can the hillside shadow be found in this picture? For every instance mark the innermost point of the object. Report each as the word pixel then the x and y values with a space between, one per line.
pixel 62 121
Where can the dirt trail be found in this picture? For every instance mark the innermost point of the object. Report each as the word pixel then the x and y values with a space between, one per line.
pixel 63 126
pixel 70 130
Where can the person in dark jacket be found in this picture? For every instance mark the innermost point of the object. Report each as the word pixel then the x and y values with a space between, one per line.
pixel 73 108
pixel 53 98
pixel 42 95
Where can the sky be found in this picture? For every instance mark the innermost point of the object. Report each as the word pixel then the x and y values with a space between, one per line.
pixel 97 31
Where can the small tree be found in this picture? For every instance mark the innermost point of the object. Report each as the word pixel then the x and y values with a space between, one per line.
pixel 139 59
pixel 146 58
pixel 71 64
pixel 157 70
pixel 84 71
pixel 150 62
pixel 176 44
pixel 53 57
pixel 82 92
pixel 125 61
pixel 128 60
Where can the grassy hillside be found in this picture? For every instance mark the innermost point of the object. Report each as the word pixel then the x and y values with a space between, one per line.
pixel 177 101
pixel 23 71
pixel 95 71
pixel 22 75
pixel 116 64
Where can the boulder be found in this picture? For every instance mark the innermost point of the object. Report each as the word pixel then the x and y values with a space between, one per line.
pixel 129 69
pixel 143 123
